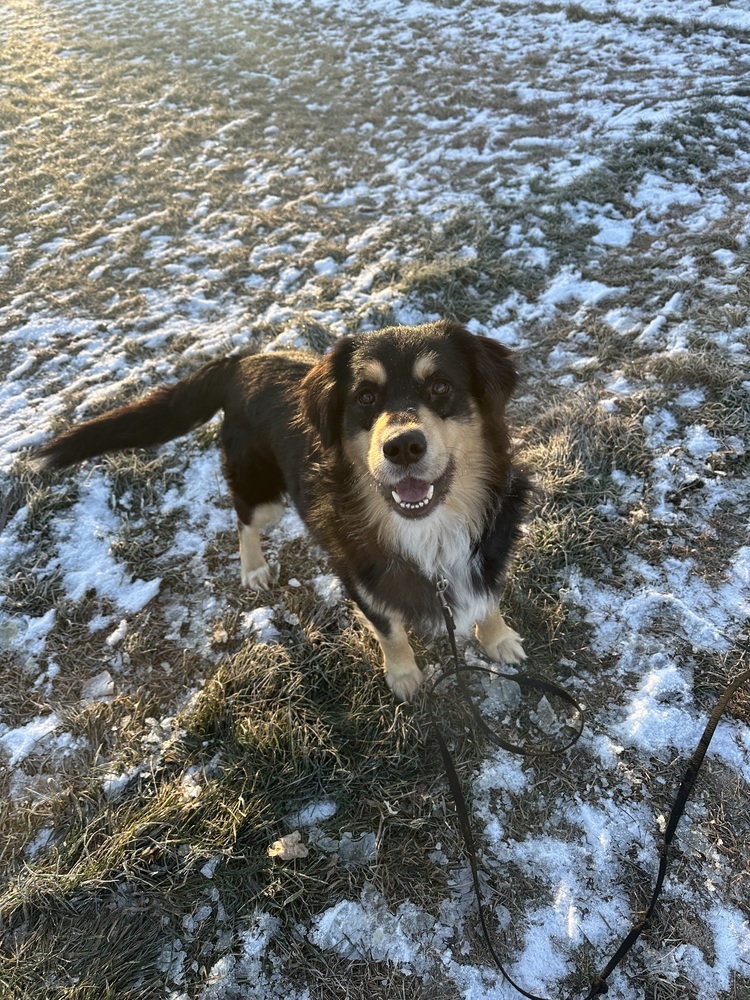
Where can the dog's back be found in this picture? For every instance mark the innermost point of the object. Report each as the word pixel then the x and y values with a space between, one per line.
pixel 259 392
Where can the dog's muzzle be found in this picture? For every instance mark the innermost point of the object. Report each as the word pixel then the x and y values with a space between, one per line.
pixel 407 477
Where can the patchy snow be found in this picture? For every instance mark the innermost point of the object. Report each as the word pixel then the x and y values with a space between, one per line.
pixel 673 592
pixel 368 928
pixel 18 743
pixel 259 621
pixel 27 633
pixel 83 552
pixel 280 192
pixel 312 813
pixel 99 688
pixel 567 286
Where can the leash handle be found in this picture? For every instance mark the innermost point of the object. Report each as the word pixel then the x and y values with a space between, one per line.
pixel 683 793
pixel 599 985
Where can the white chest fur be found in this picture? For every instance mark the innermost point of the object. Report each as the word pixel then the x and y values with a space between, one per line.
pixel 441 545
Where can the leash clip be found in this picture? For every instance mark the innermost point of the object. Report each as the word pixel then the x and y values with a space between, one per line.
pixel 441 588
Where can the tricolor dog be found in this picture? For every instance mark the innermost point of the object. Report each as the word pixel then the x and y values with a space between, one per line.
pixel 394 449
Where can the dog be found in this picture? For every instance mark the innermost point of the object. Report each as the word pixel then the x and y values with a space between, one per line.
pixel 394 449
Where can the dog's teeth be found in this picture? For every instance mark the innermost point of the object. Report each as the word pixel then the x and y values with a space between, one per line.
pixel 413 504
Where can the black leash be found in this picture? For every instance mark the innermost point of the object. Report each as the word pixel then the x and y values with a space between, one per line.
pixel 536 683
pixel 599 985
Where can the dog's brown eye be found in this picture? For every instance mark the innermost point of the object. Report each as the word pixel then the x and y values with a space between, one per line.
pixel 440 387
pixel 366 397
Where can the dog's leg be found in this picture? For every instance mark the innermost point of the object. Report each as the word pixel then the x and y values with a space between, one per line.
pixel 256 486
pixel 255 572
pixel 402 675
pixel 498 640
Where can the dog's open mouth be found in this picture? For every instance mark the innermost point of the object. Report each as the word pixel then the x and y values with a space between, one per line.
pixel 413 494
pixel 416 497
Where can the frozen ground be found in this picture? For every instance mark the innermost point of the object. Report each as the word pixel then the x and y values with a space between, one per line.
pixel 182 180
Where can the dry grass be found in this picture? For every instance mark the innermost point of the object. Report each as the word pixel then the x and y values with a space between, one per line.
pixel 273 727
pixel 220 738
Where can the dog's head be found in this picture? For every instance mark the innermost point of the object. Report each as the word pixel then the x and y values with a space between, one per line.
pixel 415 410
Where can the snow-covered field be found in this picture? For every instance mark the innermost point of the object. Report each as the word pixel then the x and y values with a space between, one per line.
pixel 182 180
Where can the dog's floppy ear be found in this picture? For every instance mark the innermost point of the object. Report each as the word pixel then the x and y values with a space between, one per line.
pixel 324 391
pixel 494 373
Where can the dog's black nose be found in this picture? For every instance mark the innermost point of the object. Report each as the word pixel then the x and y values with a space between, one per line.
pixel 405 448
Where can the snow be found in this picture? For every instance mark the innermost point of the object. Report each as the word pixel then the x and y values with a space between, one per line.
pixel 413 112
pixel 704 614
pixel 370 929
pixel 312 813
pixel 567 286
pixel 26 632
pixel 84 556
pixel 18 743
pixel 259 621
pixel 99 688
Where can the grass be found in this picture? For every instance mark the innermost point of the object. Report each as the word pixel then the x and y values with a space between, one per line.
pixel 272 726
pixel 277 725
pixel 461 286
pixel 221 739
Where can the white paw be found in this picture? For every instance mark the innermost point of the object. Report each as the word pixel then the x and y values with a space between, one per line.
pixel 404 683
pixel 261 578
pixel 508 648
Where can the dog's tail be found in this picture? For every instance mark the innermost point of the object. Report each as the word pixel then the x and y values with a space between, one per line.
pixel 166 413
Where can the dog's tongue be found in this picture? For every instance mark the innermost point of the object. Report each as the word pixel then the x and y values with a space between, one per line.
pixel 412 490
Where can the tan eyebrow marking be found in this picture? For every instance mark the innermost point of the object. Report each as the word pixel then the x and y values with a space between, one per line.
pixel 425 365
pixel 372 371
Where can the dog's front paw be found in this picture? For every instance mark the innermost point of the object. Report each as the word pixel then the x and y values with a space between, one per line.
pixel 261 578
pixel 404 681
pixel 499 641
pixel 508 649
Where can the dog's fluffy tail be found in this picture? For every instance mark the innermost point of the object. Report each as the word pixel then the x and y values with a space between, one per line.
pixel 166 413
